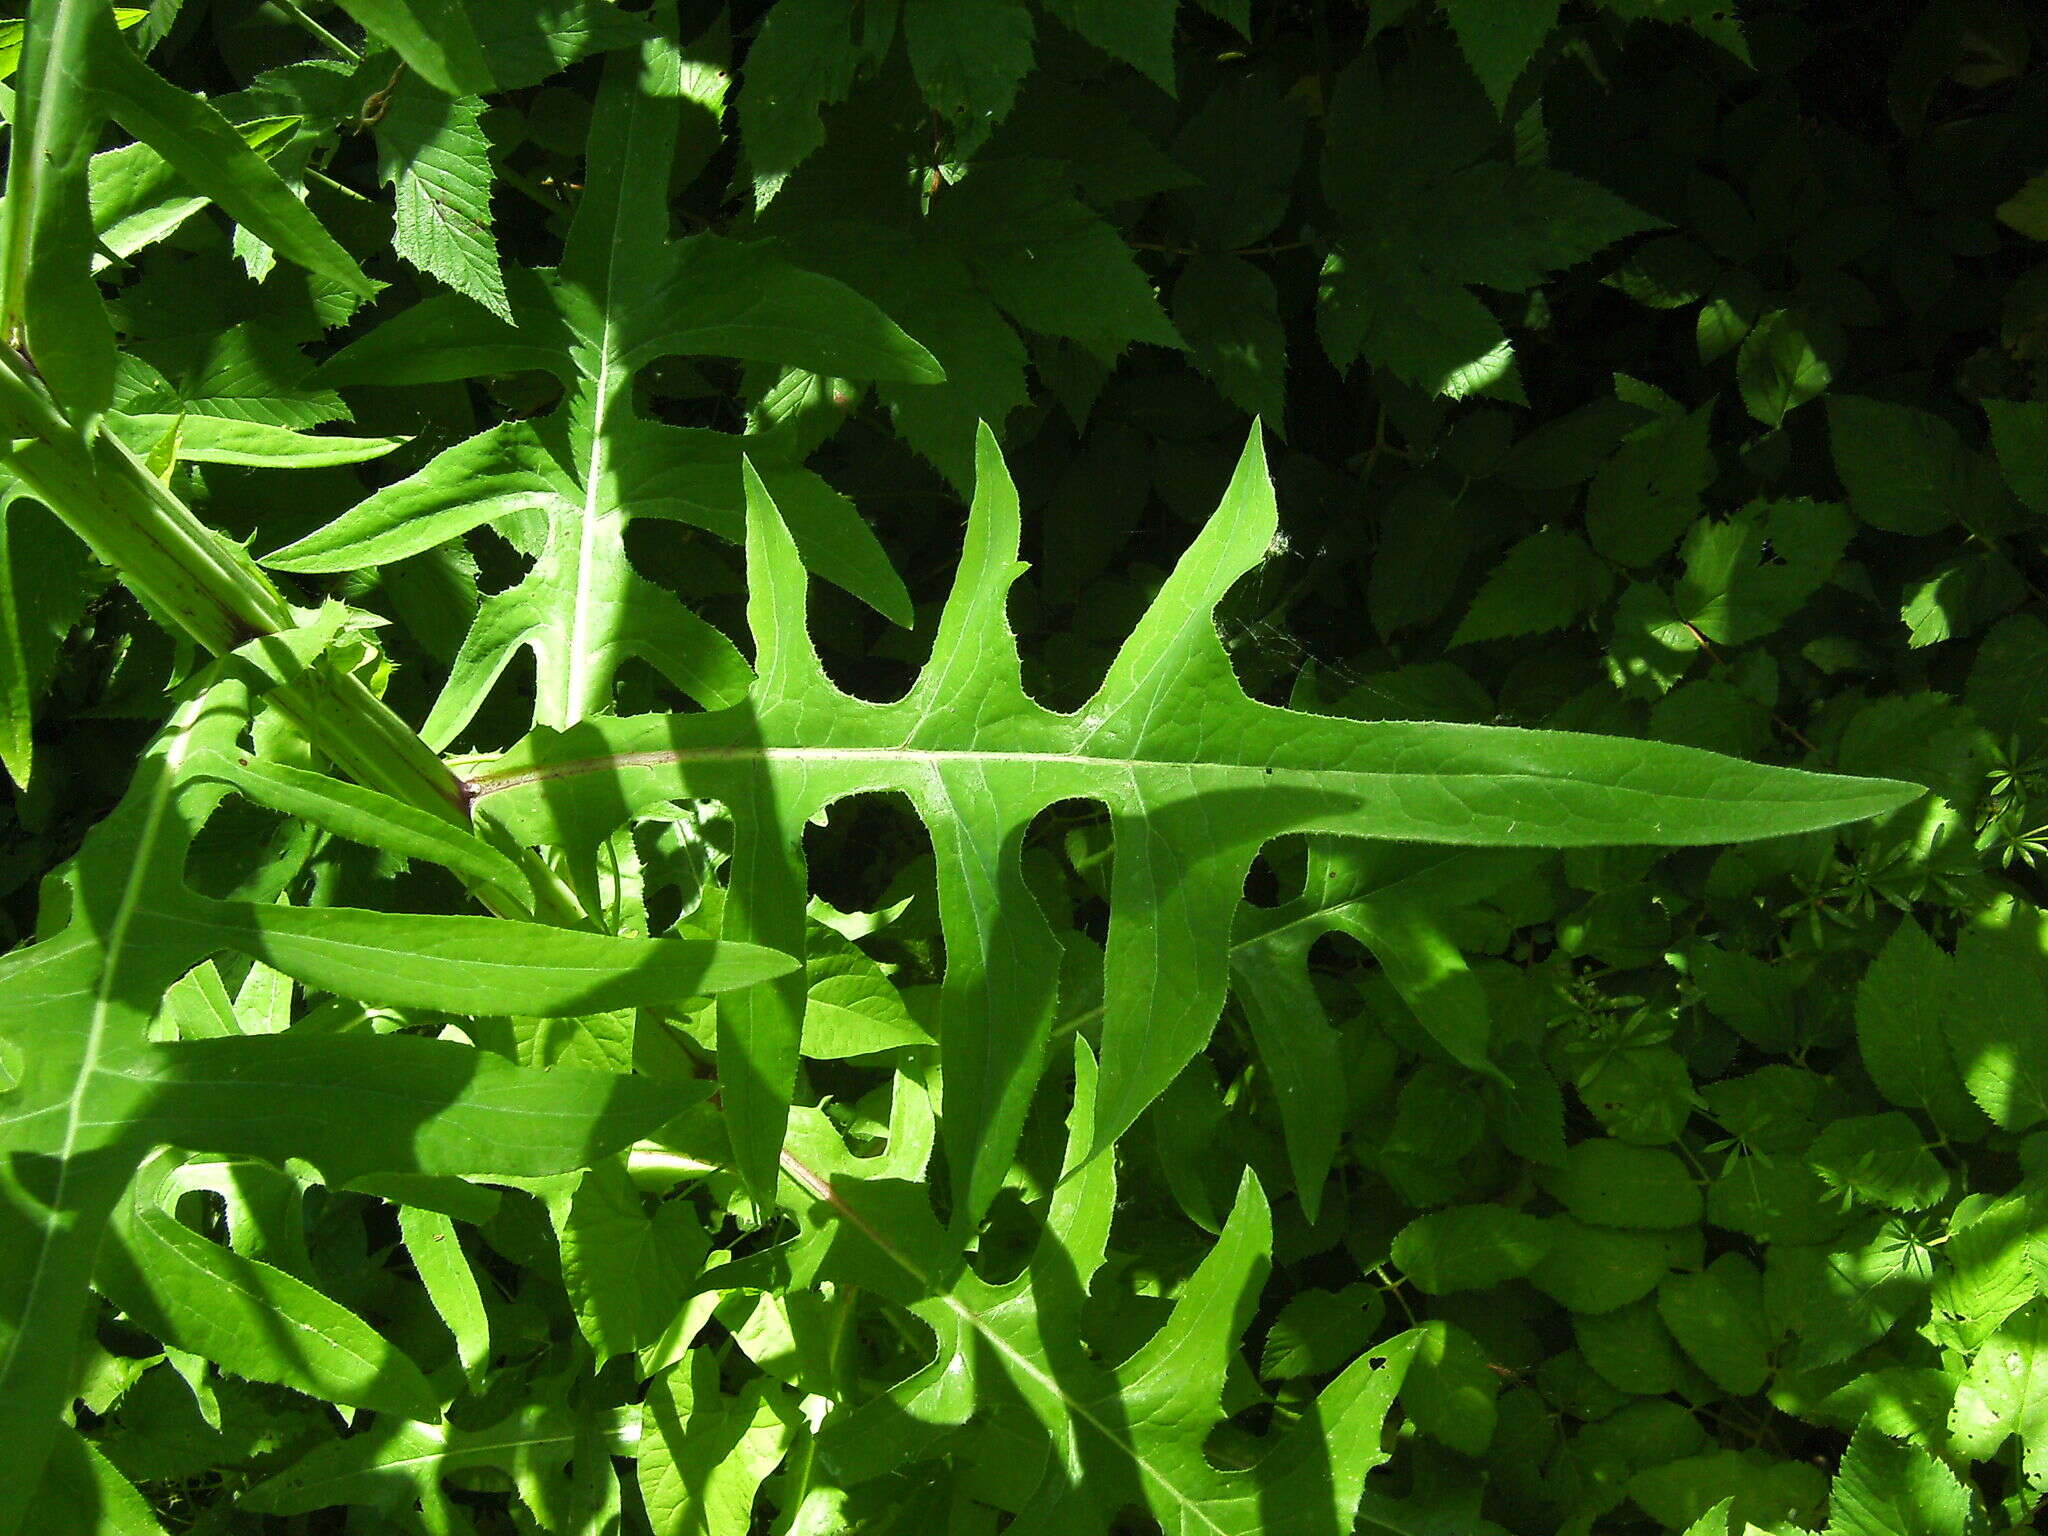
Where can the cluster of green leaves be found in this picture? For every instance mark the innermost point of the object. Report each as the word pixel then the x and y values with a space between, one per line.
pixel 1118 1042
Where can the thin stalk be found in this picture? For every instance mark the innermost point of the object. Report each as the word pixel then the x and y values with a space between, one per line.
pixel 54 43
pixel 209 589
pixel 314 29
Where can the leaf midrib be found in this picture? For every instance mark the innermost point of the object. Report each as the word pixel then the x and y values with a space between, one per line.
pixel 140 870
pixel 822 1188
pixel 493 783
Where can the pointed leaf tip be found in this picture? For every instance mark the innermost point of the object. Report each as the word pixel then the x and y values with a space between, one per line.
pixel 778 596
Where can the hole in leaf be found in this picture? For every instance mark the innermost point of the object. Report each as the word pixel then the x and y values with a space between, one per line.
pixel 871 852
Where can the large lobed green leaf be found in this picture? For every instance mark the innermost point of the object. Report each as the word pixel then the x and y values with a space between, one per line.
pixel 1196 776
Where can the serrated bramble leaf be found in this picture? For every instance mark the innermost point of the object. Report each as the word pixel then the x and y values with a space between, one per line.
pixel 1612 1183
pixel 1761 1490
pixel 2027 209
pixel 969 57
pixel 2006 1393
pixel 1226 310
pixel 1997 982
pixel 1733 591
pixel 1500 37
pixel 1786 359
pixel 1545 582
pixel 1997 1262
pixel 1451 1389
pixel 432 147
pixel 1884 1486
pixel 1319 1331
pixel 1884 1159
pixel 1835 1297
pixel 1907 470
pixel 248 374
pixel 1717 1317
pixel 1430 333
pixel 1470 1246
pixel 1594 1269
pixel 1243 145
pixel 1053 264
pixel 1712 19
pixel 2019 434
pixel 1140 32
pixel 1647 495
pixel 804 57
pixel 1427 210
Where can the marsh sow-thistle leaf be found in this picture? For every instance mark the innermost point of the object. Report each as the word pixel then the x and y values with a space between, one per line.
pixel 623 296
pixel 87 1094
pixel 1196 776
pixel 1009 1380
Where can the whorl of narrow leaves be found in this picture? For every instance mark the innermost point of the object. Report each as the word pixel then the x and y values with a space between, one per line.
pixel 1197 777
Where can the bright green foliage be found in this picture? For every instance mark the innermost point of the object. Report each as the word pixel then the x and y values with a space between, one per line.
pixel 1437 928
pixel 1168 741
pixel 623 297
pixel 247 1316
pixel 1131 1436
pixel 435 152
pixel 1884 1486
pixel 703 1453
pixel 90 1092
pixel 397 1462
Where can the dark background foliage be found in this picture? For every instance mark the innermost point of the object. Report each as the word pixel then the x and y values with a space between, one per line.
pixel 1671 370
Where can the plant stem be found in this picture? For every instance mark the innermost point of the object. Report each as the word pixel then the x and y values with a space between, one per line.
pixel 209 590
pixel 292 9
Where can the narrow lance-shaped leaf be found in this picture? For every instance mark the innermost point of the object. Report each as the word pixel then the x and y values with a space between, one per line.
pixel 435 1248
pixel 247 1316
pixel 207 151
pixel 82 1490
pixel 88 1094
pixel 396 1460
pixel 1196 775
pixel 48 298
